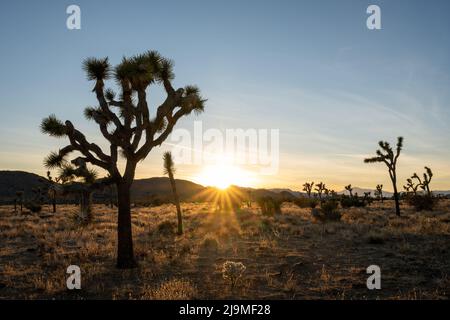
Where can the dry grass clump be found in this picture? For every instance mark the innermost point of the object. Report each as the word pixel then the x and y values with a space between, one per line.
pixel 173 289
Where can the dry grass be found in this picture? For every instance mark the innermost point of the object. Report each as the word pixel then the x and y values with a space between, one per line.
pixel 286 257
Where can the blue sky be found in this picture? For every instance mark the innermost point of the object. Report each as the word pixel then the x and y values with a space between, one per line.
pixel 309 68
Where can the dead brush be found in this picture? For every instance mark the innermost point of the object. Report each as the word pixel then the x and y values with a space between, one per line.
pixel 232 272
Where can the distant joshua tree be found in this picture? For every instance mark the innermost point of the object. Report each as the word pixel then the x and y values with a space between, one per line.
pixel 83 181
pixel 411 186
pixel 308 187
pixel 425 183
pixel 389 158
pixel 379 192
pixel 320 188
pixel 124 129
pixel 53 189
pixel 349 189
pixel 169 169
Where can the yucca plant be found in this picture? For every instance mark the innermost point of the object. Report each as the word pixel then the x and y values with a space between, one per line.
pixel 349 189
pixel 53 189
pixel 389 157
pixel 308 187
pixel 425 183
pixel 169 169
pixel 126 124
pixel 320 188
pixel 411 187
pixel 81 180
pixel 379 192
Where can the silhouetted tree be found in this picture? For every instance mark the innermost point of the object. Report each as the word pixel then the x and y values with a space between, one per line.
pixel 124 129
pixel 53 189
pixel 307 187
pixel 349 189
pixel 379 192
pixel 83 181
pixel 389 158
pixel 169 169
pixel 320 187
pixel 425 183
pixel 411 186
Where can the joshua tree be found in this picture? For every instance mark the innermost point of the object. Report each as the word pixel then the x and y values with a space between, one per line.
pixel 124 129
pixel 349 189
pixel 19 197
pixel 307 187
pixel 425 183
pixel 389 157
pixel 53 189
pixel 379 192
pixel 320 187
pixel 169 169
pixel 411 186
pixel 83 182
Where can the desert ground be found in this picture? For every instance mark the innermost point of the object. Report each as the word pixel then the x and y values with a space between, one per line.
pixel 287 256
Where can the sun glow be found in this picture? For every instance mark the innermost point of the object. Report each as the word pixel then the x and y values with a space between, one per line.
pixel 222 175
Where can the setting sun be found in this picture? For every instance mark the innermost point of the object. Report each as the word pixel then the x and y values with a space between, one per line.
pixel 222 175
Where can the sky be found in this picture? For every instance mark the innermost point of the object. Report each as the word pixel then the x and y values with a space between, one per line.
pixel 310 69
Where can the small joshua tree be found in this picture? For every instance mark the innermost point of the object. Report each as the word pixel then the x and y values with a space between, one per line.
pixel 169 169
pixel 410 186
pixel 83 181
pixel 53 189
pixel 379 192
pixel 125 123
pixel 389 157
pixel 425 183
pixel 307 187
pixel 349 189
pixel 320 188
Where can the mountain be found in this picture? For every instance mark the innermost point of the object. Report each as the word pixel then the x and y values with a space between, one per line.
pixel 155 190
pixel 13 181
pixel 141 190
pixel 159 188
pixel 297 194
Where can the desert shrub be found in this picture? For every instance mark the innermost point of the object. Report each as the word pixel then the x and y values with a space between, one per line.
pixel 269 206
pixel 232 271
pixel 175 289
pixel 33 207
pixel 306 202
pixel 422 202
pixel 330 210
pixel 353 201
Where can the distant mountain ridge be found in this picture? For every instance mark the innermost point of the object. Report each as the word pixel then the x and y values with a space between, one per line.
pixel 147 190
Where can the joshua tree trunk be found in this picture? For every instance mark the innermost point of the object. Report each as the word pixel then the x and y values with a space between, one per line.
pixel 177 204
pixel 396 197
pixel 125 254
pixel 15 205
